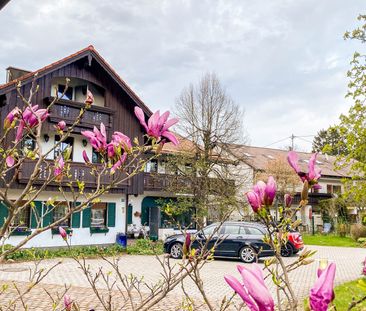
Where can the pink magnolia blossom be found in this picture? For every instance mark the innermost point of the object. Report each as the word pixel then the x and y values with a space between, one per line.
pixel 287 200
pixel 97 138
pixel 187 243
pixel 254 200
pixel 321 294
pixel 270 191
pixel 253 291
pixel 67 303
pixel 119 163
pixel 62 233
pixel 120 143
pixel 262 194
pixel 364 267
pixel 61 125
pixel 158 126
pixel 12 117
pixel 59 166
pixel 10 161
pixel 29 119
pixel 313 173
pixel 85 157
pixel 89 98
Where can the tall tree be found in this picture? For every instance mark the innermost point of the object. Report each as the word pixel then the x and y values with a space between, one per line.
pixel 329 141
pixel 352 125
pixel 212 123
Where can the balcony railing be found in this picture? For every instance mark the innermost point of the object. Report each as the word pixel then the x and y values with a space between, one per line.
pixel 313 198
pixel 161 182
pixel 68 111
pixel 78 171
pixel 179 183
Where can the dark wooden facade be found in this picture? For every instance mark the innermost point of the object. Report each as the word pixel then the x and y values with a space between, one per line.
pixel 117 114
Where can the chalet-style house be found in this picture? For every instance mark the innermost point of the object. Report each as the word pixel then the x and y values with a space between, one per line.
pixel 114 104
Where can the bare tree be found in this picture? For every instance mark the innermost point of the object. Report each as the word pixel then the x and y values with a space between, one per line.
pixel 210 123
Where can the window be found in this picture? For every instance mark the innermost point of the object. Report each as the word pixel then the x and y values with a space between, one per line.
pixel 98 216
pixel 29 143
pixel 337 189
pixel 60 149
pixel 67 95
pixel 151 166
pixel 230 229
pixel 22 219
pixel 209 230
pixel 59 212
pixel 334 189
pixel 253 231
pixel 96 157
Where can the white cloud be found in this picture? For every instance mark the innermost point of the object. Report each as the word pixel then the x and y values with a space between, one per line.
pixel 283 61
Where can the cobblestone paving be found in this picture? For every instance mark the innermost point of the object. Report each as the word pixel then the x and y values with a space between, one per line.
pixel 348 262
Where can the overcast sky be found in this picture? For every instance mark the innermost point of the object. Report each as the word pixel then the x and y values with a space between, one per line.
pixel 284 62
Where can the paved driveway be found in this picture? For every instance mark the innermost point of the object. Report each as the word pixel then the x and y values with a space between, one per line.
pixel 348 262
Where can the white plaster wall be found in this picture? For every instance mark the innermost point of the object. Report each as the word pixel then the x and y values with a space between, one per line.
pixel 136 201
pixel 81 236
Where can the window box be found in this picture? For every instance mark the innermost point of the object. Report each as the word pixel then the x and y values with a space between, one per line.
pixel 99 230
pixel 56 231
pixel 21 232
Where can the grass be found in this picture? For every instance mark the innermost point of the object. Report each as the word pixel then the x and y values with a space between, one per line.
pixel 329 240
pixel 138 247
pixel 344 294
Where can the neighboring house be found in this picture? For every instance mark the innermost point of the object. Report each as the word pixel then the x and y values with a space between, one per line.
pixel 114 106
pixel 259 159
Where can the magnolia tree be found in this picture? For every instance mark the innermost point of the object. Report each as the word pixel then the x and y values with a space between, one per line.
pixel 253 290
pixel 120 159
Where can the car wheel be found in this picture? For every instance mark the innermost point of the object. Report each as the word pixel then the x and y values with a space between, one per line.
pixel 176 251
pixel 247 254
pixel 287 250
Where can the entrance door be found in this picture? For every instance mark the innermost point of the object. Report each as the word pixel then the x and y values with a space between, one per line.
pixel 154 220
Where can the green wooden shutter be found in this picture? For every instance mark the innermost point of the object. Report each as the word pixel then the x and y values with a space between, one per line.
pixel 75 218
pixel 111 215
pixel 3 213
pixel 86 217
pixel 48 215
pixel 129 214
pixel 36 214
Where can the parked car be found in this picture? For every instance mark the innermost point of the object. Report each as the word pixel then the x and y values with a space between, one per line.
pixel 243 240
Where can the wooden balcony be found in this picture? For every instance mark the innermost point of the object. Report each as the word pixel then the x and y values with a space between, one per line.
pixel 164 182
pixel 68 111
pixel 78 171
pixel 313 198
pixel 177 183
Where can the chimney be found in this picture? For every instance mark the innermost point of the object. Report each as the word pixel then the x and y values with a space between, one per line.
pixel 13 73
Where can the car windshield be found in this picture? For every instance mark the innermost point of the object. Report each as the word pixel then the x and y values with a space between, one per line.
pixel 209 230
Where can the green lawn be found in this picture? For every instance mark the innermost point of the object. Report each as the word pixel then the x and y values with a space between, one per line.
pixel 329 240
pixel 344 294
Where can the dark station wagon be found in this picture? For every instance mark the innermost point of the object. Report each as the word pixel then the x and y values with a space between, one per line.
pixel 243 240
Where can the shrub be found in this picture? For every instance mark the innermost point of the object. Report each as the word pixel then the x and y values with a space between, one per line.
pixel 361 240
pixel 358 231
pixel 145 247
pixel 85 251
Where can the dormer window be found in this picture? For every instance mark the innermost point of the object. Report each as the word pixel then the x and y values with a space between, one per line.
pixel 68 94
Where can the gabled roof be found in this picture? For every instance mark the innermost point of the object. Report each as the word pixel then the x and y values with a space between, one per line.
pixel 89 52
pixel 259 157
